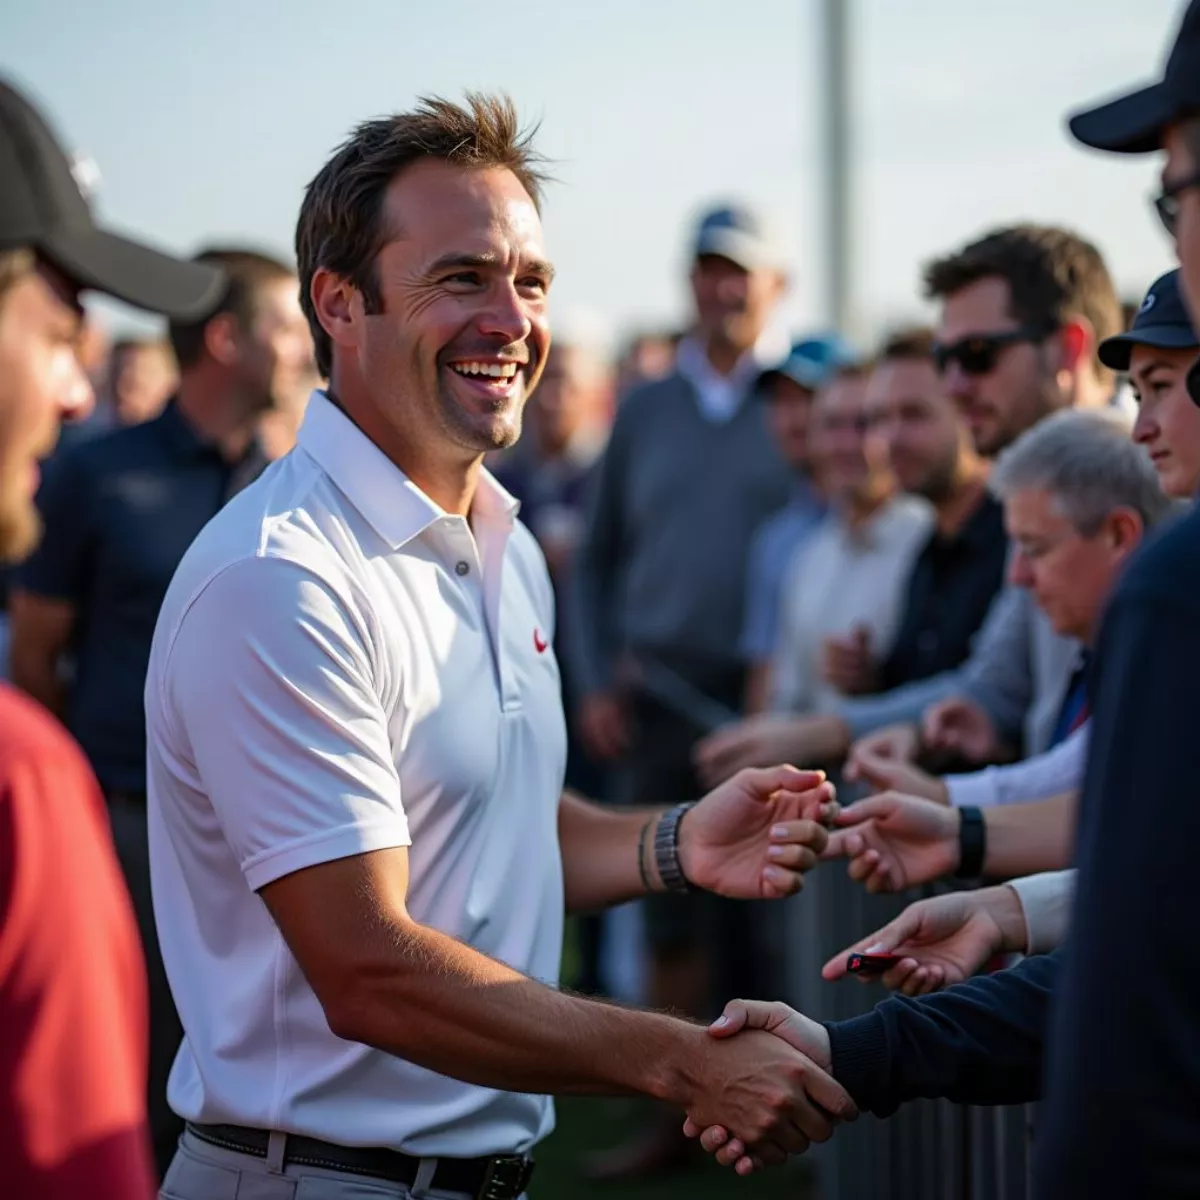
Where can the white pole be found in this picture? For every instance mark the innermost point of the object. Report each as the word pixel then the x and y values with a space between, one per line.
pixel 838 195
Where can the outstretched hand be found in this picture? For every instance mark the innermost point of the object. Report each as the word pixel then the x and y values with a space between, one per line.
pixel 941 941
pixel 895 841
pixel 756 835
pixel 889 773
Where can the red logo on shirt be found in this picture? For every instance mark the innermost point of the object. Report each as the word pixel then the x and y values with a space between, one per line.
pixel 539 642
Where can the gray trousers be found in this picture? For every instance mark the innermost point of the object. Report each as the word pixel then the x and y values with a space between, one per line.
pixel 203 1172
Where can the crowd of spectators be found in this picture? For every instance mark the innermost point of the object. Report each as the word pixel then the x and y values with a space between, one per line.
pixel 892 562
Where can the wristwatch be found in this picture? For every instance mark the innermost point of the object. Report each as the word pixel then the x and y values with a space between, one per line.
pixel 666 848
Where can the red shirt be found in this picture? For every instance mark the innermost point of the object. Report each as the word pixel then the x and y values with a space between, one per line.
pixel 73 1007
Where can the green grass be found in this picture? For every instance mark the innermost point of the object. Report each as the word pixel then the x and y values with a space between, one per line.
pixel 587 1125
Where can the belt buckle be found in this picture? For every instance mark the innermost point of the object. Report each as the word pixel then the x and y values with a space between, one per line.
pixel 506 1177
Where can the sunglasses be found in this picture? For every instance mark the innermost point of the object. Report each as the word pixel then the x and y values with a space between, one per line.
pixel 1166 203
pixel 979 353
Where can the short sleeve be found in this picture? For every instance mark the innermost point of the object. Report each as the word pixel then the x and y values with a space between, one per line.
pixel 58 566
pixel 272 686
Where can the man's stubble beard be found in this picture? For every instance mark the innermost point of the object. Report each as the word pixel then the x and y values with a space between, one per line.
pixel 470 436
pixel 939 483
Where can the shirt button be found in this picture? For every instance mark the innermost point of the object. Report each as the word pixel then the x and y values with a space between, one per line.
pixel 462 568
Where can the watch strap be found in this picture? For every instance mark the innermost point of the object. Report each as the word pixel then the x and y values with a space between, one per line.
pixel 666 849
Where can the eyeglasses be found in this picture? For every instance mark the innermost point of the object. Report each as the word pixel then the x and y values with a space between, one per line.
pixel 1166 203
pixel 979 353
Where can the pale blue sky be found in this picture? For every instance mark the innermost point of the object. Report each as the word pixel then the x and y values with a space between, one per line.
pixel 207 119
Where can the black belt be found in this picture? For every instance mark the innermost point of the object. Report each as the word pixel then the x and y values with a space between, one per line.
pixel 128 796
pixel 502 1177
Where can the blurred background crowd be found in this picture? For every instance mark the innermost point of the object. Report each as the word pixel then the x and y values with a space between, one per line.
pixel 761 467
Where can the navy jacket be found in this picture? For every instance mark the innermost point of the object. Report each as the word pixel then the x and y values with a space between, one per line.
pixel 1124 1050
pixel 977 1043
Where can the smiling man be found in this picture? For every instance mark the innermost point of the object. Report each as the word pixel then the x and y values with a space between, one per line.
pixel 360 845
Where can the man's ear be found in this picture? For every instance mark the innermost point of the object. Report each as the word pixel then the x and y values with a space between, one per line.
pixel 1125 529
pixel 1077 343
pixel 221 339
pixel 338 305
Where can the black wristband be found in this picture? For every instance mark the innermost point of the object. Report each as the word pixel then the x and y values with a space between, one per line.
pixel 972 843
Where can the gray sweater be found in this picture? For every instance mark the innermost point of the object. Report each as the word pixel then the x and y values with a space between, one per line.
pixel 675 502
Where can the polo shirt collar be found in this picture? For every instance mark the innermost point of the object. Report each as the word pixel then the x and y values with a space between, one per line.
pixel 390 502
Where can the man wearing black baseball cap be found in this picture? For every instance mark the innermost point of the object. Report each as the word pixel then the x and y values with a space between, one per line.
pixel 72 983
pixel 1163 116
pixel 1156 354
pixel 1122 1102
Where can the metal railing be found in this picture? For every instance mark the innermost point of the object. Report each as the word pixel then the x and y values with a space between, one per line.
pixel 929 1149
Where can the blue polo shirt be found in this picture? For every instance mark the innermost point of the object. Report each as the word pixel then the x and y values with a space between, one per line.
pixel 119 511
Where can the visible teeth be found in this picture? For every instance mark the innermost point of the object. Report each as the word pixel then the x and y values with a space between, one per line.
pixel 492 370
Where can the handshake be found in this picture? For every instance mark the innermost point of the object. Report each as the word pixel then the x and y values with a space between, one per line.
pixel 765 1087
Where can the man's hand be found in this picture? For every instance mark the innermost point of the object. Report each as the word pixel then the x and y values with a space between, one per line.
pixel 897 775
pixel 941 941
pixel 756 835
pixel 896 743
pixel 895 841
pixel 802 1034
pixel 763 740
pixel 848 664
pixel 604 725
pixel 959 726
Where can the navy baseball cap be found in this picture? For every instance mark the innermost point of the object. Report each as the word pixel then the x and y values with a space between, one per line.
pixel 812 362
pixel 1161 321
pixel 1134 123
pixel 43 207
pixel 740 235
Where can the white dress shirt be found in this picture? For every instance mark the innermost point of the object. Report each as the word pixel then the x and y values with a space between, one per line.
pixel 1046 900
pixel 341 667
pixel 839 579
pixel 720 396
pixel 1057 770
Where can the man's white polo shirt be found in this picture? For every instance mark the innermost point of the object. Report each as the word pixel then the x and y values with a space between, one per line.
pixel 339 667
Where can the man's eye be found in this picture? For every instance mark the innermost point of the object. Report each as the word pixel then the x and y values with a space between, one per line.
pixel 534 283
pixel 468 278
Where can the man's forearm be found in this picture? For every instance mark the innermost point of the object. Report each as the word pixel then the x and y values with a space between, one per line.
pixel 980 1042
pixel 758 688
pixel 608 854
pixel 438 1003
pixel 1025 839
pixel 901 706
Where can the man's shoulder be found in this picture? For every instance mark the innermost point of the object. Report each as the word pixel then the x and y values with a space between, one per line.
pixel 285 520
pixel 1167 568
pixel 125 445
pixel 908 516
pixel 790 524
pixel 647 397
